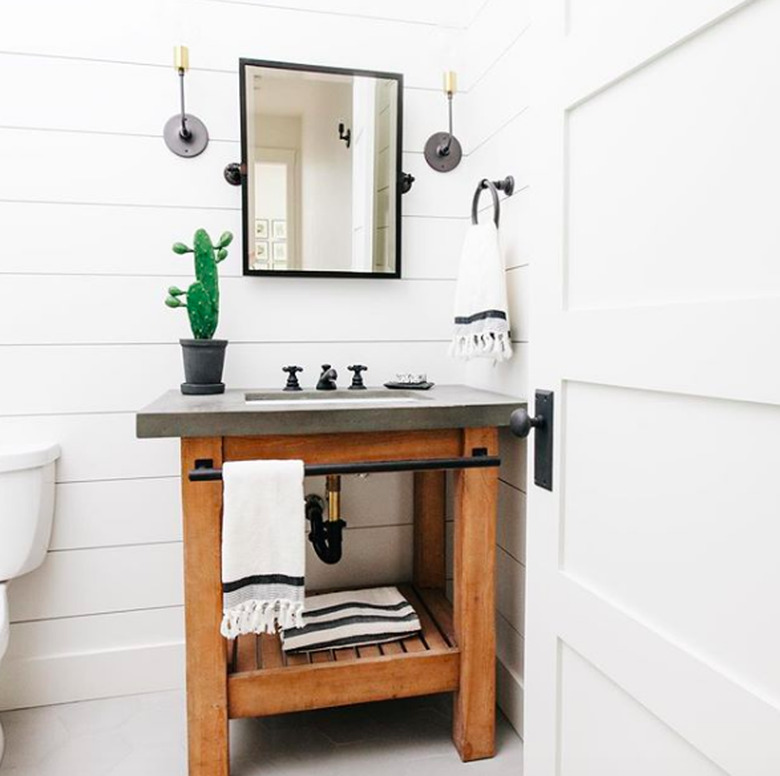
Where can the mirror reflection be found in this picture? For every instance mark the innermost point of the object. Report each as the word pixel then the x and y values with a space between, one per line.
pixel 321 154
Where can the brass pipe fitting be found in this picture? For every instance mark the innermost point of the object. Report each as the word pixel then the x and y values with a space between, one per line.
pixel 333 489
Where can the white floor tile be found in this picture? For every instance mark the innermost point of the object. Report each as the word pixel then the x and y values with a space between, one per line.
pixel 145 734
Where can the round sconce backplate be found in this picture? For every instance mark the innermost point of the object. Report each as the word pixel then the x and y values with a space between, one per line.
pixel 447 162
pixel 193 145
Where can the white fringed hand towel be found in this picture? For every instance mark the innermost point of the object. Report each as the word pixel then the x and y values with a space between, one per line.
pixel 352 618
pixel 263 546
pixel 481 310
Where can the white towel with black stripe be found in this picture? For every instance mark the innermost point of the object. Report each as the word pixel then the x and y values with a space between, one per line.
pixel 352 618
pixel 481 309
pixel 263 546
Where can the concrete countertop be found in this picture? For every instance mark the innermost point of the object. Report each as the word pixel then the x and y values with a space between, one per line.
pixel 229 414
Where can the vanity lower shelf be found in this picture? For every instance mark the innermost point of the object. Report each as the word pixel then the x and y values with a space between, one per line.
pixel 263 680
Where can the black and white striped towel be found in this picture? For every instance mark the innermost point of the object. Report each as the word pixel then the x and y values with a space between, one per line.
pixel 352 618
pixel 263 546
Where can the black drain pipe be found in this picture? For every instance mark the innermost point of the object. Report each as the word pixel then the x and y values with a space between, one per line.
pixel 326 535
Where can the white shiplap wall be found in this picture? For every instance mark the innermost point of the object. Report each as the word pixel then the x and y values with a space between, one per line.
pixel 496 110
pixel 90 201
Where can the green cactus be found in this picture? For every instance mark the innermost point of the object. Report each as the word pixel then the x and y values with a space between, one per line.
pixel 203 295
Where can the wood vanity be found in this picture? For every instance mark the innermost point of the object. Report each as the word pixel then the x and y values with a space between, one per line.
pixel 251 677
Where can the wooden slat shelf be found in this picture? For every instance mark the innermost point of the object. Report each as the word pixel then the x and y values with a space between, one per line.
pixel 262 677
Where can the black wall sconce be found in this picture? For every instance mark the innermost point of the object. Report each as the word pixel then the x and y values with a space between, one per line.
pixel 345 136
pixel 185 134
pixel 443 151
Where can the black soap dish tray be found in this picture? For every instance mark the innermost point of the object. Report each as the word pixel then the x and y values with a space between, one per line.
pixel 423 386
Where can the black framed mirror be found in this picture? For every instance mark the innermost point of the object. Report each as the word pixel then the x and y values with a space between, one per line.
pixel 321 152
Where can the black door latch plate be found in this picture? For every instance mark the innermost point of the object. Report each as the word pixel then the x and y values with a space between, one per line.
pixel 543 440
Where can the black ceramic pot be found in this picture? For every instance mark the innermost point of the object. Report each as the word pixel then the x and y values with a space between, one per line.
pixel 203 364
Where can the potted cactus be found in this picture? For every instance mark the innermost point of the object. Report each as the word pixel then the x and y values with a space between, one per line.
pixel 204 357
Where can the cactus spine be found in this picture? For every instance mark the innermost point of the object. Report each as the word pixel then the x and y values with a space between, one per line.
pixel 202 297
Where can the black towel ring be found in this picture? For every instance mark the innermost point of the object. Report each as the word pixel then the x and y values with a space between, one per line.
pixel 507 186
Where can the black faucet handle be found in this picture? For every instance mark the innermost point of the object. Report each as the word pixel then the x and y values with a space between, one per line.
pixel 292 377
pixel 357 376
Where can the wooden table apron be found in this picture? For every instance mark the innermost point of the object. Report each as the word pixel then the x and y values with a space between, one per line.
pixel 464 660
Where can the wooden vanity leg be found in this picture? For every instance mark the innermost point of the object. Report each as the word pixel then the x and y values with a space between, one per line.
pixel 476 497
pixel 429 530
pixel 207 708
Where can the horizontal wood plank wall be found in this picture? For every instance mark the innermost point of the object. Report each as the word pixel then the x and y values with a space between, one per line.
pixel 92 200
pixel 497 141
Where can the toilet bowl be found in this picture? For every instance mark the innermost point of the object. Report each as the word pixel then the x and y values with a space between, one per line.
pixel 26 514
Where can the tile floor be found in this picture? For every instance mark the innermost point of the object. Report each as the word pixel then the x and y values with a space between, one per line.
pixel 144 735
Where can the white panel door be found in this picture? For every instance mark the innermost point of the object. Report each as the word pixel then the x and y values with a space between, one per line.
pixel 653 612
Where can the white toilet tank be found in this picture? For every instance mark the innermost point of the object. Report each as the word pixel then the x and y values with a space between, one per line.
pixel 26 506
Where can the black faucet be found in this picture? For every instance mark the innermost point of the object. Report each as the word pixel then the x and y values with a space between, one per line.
pixel 327 381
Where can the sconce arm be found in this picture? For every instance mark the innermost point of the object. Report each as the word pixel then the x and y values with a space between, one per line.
pixel 444 148
pixel 183 132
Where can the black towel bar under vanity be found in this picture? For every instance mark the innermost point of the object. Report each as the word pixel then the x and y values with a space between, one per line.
pixel 479 459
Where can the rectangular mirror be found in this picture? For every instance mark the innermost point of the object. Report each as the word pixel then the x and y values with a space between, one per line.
pixel 321 156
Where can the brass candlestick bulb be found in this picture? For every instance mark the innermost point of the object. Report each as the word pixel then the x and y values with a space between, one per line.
pixel 450 82
pixel 181 58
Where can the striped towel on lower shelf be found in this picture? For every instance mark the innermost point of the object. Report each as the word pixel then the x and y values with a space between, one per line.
pixel 352 618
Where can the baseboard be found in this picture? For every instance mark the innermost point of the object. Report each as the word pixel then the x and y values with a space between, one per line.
pixel 47 680
pixel 509 691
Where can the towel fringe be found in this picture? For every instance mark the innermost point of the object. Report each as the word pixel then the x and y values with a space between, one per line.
pixel 487 343
pixel 255 616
